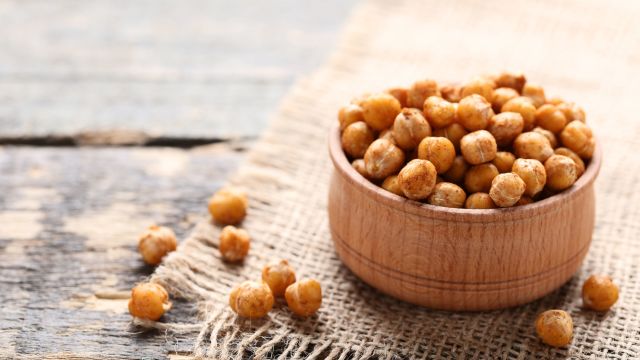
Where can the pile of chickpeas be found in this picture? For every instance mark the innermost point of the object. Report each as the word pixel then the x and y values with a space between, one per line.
pixel 495 141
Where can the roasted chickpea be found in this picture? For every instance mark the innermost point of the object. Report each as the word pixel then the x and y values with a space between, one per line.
pixel 504 161
pixel 456 172
pixel 479 177
pixel 474 112
pixel 562 172
pixel 576 159
pixel 251 299
pixel 535 93
pixel 505 127
pixel 453 132
pixel 383 159
pixel 511 80
pixel 155 243
pixel 448 195
pixel 420 91
pixel 304 297
pixel 578 137
pixel 439 111
pixel 501 96
pixel 380 110
pixel 349 114
pixel 358 164
pixel 550 118
pixel 392 185
pixel 478 147
pixel 532 145
pixel 234 243
pixel 524 200
pixel 572 112
pixel 506 189
pixel 548 134
pixel 356 138
pixel 400 94
pixel 479 200
pixel 481 86
pixel 599 293
pixel 451 93
pixel 278 275
pixel 149 301
pixel 439 151
pixel 388 135
pixel 228 206
pixel 417 179
pixel 533 174
pixel 555 327
pixel 409 128
pixel 524 107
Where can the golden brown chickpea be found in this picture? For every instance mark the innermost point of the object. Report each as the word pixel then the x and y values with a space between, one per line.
pixel 533 174
pixel 448 195
pixel 479 200
pixel 506 189
pixel 439 111
pixel 478 147
pixel 599 293
pixel 358 164
pixel 535 93
pixel 504 161
pixel 251 299
pixel 149 301
pixel 576 159
pixel 562 172
pixel 304 297
pixel 524 200
pixel 417 179
pixel 501 96
pixel 400 93
pixel 155 243
pixel 505 127
pixel 356 138
pixel 481 86
pixel 479 177
pixel 234 243
pixel 532 145
pixel 550 118
pixel 511 80
pixel 380 110
pixel 228 206
pixel 555 327
pixel 474 112
pixel 392 185
pixel 278 275
pixel 409 128
pixel 572 112
pixel 349 114
pixel 420 91
pixel 387 134
pixel 453 132
pixel 451 93
pixel 439 151
pixel 577 136
pixel 548 134
pixel 456 172
pixel 383 159
pixel 524 107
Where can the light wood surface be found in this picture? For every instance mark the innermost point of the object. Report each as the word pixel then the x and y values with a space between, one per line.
pixel 458 259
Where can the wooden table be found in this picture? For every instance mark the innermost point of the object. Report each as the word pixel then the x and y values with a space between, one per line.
pixel 163 77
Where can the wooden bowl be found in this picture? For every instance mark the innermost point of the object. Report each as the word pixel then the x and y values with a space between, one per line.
pixel 458 259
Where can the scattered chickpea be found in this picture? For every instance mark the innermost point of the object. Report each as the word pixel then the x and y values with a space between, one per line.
pixel 228 205
pixel 576 159
pixel 532 172
pixel 358 164
pixel 356 138
pixel 474 112
pixel 149 301
pixel 501 96
pixel 479 200
pixel 451 93
pixel 578 137
pixel 456 172
pixel 524 200
pixel 417 179
pixel 553 141
pixel 549 117
pixel 409 128
pixel 555 327
pixel 505 127
pixel 251 299
pixel 349 114
pixel 448 195
pixel 304 297
pixel 599 293
pixel 481 86
pixel 478 147
pixel 504 161
pixel 572 112
pixel 234 243
pixel 383 159
pixel 439 151
pixel 506 189
pixel 535 93
pixel 391 184
pixel 562 172
pixel 380 110
pixel 278 275
pixel 479 177
pixel 388 135
pixel 511 80
pixel 420 91
pixel 440 112
pixel 453 132
pixel 155 243
pixel 532 145
pixel 524 107
pixel 400 93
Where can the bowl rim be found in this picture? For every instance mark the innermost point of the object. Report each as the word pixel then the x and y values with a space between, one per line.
pixel 343 167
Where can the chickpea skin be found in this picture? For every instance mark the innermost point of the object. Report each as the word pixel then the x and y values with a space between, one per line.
pixel 524 107
pixel 439 112
pixel 555 327
pixel 356 138
pixel 481 86
pixel 409 128
pixel 388 135
pixel 391 184
pixel 358 164
pixel 535 93
pixel 149 301
pixel 501 96
pixel 228 206
pixel 479 177
pixel 548 134
pixel 349 114
pixel 577 136
pixel 506 189
pixel 562 172
pixel 505 127
pixel 532 145
pixel 420 91
pixel 400 94
pixel 504 161
pixel 479 200
pixel 599 293
pixel 448 195
pixel 304 297
pixel 278 275
pixel 383 159
pixel 533 174
pixel 511 80
pixel 155 243
pixel 251 299
pixel 453 132
pixel 478 147
pixel 439 151
pixel 380 110
pixel 576 159
pixel 417 179
pixel 451 93
pixel 474 112
pixel 234 243
pixel 550 118
pixel 456 172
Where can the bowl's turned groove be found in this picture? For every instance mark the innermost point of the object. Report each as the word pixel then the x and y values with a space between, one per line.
pixel 458 259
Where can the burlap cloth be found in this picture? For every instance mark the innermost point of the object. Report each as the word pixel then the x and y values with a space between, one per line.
pixel 587 51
